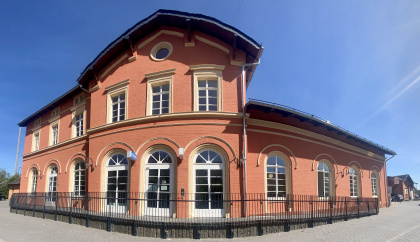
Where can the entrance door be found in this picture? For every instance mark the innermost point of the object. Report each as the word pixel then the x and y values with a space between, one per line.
pixel 117 183
pixel 52 186
pixel 209 188
pixel 159 184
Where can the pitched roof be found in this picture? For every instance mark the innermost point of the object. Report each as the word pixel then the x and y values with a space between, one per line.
pixel 162 17
pixel 15 182
pixel 306 117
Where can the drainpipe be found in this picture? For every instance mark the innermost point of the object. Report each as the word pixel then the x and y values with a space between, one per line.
pixel 244 141
pixel 386 180
pixel 81 87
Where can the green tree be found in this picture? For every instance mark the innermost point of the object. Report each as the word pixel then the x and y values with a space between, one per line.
pixel 5 179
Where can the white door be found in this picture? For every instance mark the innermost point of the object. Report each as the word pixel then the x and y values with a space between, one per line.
pixel 159 184
pixel 117 184
pixel 208 187
pixel 52 187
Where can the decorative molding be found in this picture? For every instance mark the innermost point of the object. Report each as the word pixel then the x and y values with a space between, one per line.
pixel 237 63
pixel 30 168
pixel 189 44
pixel 284 127
pixel 160 73
pixel 107 70
pixel 132 58
pixel 207 67
pixel 211 43
pixel 94 88
pixel 157 138
pixel 168 32
pixel 49 163
pixel 71 159
pixel 276 145
pixel 311 141
pixel 185 115
pixel 113 143
pixel 324 154
pixel 117 85
pixel 358 166
pixel 77 106
pixel 56 146
pixel 216 138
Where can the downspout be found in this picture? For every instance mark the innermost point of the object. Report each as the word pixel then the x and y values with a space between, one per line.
pixel 244 141
pixel 386 180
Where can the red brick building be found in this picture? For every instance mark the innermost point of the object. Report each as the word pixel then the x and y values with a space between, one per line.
pixel 170 91
pixel 403 185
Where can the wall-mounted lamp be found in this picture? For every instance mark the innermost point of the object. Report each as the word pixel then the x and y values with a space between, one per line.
pixel 181 153
pixel 87 165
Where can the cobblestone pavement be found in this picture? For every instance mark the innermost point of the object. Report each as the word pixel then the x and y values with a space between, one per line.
pixel 400 222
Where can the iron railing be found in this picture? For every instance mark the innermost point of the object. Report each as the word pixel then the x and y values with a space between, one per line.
pixel 193 210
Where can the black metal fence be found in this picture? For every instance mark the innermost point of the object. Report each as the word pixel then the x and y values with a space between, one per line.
pixel 192 212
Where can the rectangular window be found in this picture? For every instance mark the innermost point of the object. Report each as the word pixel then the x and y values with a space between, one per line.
pixel 159 92
pixel 208 86
pixel 36 141
pixel 160 99
pixel 79 125
pixel 207 95
pixel 54 134
pixel 118 107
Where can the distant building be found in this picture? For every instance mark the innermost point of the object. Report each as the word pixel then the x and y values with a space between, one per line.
pixel 14 187
pixel 403 185
pixel 160 113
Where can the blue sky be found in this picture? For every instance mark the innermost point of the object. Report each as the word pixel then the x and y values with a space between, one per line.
pixel 354 63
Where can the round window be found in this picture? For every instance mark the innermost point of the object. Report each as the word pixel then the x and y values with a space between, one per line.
pixel 161 51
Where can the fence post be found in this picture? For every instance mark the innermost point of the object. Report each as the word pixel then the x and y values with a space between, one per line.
pixel 368 209
pixel 71 208
pixel 358 207
pixel 56 201
pixel 331 204
pixel 345 205
pixel 43 212
pixel 87 209
pixel 311 225
pixel 26 204
pixel 11 202
pixel 33 210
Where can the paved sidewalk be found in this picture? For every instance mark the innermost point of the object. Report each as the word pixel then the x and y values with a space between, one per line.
pixel 400 222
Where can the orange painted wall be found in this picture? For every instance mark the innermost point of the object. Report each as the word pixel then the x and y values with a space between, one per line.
pixel 223 129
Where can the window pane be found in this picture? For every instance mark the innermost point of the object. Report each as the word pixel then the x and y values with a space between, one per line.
pixel 201 83
pixel 212 83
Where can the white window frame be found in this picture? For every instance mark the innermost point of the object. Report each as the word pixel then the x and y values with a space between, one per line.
pixel 286 173
pixel 323 173
pixel 55 113
pixel 158 79
pixel 34 180
pixel 36 140
pixel 114 90
pixel 209 166
pixel 81 172
pixel 208 72
pixel 76 111
pixel 374 183
pixel 166 212
pixel 116 207
pixel 354 186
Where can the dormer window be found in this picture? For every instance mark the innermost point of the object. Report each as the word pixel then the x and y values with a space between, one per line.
pixel 37 122
pixel 55 113
pixel 79 99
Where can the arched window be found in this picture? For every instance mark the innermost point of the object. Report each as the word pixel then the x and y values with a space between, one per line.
pixel 79 179
pixel 353 182
pixel 208 183
pixel 117 183
pixel 34 180
pixel 159 183
pixel 374 185
pixel 324 180
pixel 276 177
pixel 52 184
